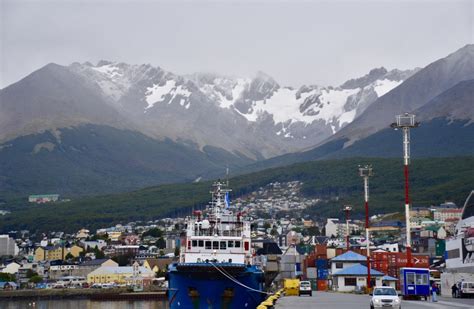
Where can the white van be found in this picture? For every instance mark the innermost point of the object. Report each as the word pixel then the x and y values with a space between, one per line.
pixel 466 289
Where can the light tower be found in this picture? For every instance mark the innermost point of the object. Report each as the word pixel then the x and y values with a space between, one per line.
pixel 406 122
pixel 347 209
pixel 366 172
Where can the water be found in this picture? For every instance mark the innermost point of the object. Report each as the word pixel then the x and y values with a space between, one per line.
pixel 83 304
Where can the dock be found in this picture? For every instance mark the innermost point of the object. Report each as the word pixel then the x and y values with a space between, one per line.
pixel 333 300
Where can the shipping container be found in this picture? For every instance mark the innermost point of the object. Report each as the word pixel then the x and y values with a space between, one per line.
pixel 321 264
pixel 311 273
pixel 322 285
pixel 322 273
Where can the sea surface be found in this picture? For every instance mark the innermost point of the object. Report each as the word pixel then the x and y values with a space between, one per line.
pixel 83 303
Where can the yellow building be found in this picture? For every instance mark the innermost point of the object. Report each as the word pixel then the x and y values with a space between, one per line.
pixel 157 264
pixel 119 275
pixel 56 252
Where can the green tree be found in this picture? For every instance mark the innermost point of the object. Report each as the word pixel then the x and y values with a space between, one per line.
pixel 98 253
pixel 154 232
pixel 30 273
pixel 123 260
pixel 69 256
pixel 160 243
pixel 5 277
pixel 36 279
pixel 313 231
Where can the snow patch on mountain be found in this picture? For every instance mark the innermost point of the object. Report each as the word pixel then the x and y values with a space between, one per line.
pixel 158 93
pixel 383 86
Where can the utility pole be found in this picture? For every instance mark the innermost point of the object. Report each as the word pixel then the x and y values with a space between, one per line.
pixel 406 122
pixel 365 172
pixel 347 210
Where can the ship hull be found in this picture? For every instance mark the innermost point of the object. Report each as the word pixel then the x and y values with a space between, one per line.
pixel 202 286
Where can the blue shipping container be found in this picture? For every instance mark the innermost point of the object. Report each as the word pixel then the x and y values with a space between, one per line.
pixel 322 273
pixel 321 263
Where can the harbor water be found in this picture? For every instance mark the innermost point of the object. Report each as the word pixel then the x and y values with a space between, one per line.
pixel 83 304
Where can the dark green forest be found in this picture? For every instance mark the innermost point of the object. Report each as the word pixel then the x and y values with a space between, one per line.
pixel 336 182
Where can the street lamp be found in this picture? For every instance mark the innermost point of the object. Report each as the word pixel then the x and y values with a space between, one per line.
pixel 366 172
pixel 347 210
pixel 406 122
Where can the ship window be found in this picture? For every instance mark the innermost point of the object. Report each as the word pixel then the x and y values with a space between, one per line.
pixel 201 243
pixel 230 244
pixel 215 245
pixel 208 245
pixel 223 245
pixel 195 243
pixel 237 244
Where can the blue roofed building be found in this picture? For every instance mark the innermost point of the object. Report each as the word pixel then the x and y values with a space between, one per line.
pixel 349 278
pixel 346 260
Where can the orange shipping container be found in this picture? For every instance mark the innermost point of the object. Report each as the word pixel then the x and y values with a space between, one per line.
pixel 322 285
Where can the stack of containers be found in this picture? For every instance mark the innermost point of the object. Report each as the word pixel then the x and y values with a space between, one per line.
pixel 322 274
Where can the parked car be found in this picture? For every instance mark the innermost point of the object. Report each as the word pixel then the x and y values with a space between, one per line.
pixel 466 289
pixel 305 288
pixel 384 297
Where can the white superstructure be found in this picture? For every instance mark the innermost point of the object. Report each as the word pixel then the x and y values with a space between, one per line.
pixel 460 250
pixel 217 234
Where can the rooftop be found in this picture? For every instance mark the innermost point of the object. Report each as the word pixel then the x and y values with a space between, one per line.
pixel 357 270
pixel 349 256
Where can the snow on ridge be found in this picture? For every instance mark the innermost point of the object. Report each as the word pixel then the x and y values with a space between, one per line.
pixel 383 86
pixel 156 94
pixel 110 70
pixel 284 106
pixel 232 87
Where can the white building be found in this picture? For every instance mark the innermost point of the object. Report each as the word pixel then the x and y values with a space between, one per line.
pixel 346 280
pixel 447 213
pixel 11 268
pixel 8 246
pixel 339 229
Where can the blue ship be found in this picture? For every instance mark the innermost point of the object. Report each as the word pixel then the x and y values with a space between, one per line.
pixel 216 269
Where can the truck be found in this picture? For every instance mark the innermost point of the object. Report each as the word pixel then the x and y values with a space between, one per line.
pixel 292 287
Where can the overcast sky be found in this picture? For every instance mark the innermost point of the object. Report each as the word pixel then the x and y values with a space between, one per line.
pixel 296 42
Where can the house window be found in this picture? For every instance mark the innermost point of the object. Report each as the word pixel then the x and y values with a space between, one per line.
pixel 350 281
pixel 411 278
pixel 339 264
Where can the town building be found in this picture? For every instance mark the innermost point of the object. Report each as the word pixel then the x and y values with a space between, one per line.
pixel 120 275
pixel 8 246
pixel 43 198
pixel 447 213
pixel 355 276
pixel 50 253
pixel 79 270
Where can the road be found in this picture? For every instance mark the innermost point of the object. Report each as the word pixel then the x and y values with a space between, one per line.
pixel 325 300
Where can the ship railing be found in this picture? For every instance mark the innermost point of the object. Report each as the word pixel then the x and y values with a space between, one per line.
pixel 235 233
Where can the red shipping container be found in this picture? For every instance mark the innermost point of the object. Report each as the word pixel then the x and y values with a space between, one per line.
pixel 322 285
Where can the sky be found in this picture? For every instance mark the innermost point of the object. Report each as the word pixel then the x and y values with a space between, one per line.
pixel 295 42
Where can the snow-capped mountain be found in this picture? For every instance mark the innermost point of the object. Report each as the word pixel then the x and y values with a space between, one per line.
pixel 255 117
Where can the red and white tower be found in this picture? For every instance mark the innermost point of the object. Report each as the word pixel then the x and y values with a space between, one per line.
pixel 406 122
